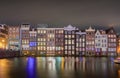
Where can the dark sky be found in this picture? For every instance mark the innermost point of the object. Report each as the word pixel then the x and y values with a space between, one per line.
pixel 60 11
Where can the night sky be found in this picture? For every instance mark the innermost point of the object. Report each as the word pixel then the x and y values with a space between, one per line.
pixel 84 12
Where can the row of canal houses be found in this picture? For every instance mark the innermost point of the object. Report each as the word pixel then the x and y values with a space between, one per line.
pixel 67 41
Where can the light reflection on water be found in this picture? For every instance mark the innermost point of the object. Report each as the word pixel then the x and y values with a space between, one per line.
pixel 59 67
pixel 4 68
pixel 31 73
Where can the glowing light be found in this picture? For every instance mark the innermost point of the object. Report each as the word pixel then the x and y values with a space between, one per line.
pixel 3 43
pixel 32 44
pixel 3 40
pixel 118 49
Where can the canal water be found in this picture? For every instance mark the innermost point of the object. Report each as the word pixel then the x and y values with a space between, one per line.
pixel 59 67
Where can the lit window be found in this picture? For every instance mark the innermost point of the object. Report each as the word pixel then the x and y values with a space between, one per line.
pixel 61 31
pixel 38 39
pixel 32 44
pixel 41 31
pixel 50 48
pixel 76 44
pixel 83 44
pixel 72 41
pixel 76 49
pixel 65 52
pixel 44 43
pixel 65 36
pixel 73 36
pixel 80 39
pixel 83 40
pixel 41 39
pixel 73 47
pixel 80 45
pixel 10 28
pixel 38 43
pixel 44 48
pixel 114 40
pixel 69 42
pixel 87 43
pixel 72 52
pixel 47 48
pixel 112 35
pixel 83 49
pixel 38 31
pixel 44 31
pixel 65 47
pixel 77 40
pixel 69 47
pixel 65 41
pixel 69 36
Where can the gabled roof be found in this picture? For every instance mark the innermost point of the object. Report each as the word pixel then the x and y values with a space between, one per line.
pixel 97 32
pixel 109 30
pixel 90 29
pixel 70 27
pixel 102 31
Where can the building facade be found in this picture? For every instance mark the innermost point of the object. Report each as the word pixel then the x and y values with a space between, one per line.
pixel 33 42
pixel 118 45
pixel 104 43
pixel 112 41
pixel 98 43
pixel 59 41
pixel 50 41
pixel 14 38
pixel 90 41
pixel 25 37
pixel 80 43
pixel 70 40
pixel 3 37
pixel 101 41
pixel 41 41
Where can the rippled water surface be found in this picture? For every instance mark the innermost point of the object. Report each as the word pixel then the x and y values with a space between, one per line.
pixel 59 67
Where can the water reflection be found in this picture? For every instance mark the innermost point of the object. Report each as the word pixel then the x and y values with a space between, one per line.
pixel 66 66
pixel 59 67
pixel 31 67
pixel 4 68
